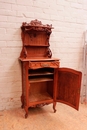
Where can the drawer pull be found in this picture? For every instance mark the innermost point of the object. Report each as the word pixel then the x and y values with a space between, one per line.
pixel 45 65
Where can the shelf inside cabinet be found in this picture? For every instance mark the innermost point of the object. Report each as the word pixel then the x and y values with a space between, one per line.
pixel 38 79
pixel 39 97
pixel 40 73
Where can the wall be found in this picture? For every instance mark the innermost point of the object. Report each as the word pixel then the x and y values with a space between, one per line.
pixel 69 19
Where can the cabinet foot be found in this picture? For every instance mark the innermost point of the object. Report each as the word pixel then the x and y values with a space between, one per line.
pixel 55 111
pixel 26 115
pixel 26 111
pixel 22 106
pixel 54 105
pixel 22 101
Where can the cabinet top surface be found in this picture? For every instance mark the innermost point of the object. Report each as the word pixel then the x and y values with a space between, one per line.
pixel 38 59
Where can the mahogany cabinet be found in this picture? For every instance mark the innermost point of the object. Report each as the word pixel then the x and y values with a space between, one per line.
pixel 43 81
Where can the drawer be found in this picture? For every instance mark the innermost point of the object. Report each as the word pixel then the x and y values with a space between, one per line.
pixel 51 64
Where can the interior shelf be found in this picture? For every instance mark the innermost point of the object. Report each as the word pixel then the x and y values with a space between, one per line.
pixel 40 73
pixel 39 97
pixel 38 79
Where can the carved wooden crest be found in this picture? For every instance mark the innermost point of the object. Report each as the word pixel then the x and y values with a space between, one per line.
pixel 36 25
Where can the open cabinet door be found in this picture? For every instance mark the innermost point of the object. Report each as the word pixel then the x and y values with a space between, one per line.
pixel 68 89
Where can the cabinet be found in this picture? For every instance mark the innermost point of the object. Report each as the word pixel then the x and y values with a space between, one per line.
pixel 43 81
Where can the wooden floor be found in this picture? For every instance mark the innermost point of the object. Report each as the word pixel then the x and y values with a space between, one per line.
pixel 66 118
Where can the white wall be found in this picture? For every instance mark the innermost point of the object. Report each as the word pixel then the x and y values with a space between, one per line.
pixel 69 19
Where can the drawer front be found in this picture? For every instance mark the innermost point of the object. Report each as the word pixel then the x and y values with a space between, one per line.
pixel 51 64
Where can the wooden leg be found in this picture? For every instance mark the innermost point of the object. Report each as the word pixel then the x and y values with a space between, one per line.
pixel 22 106
pixel 26 115
pixel 54 105
pixel 26 110
pixel 22 101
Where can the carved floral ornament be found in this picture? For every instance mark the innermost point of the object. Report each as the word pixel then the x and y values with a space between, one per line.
pixel 36 25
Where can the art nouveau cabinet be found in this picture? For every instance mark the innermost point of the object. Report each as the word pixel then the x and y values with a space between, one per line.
pixel 43 81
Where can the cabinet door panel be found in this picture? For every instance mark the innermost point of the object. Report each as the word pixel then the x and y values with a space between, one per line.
pixel 68 89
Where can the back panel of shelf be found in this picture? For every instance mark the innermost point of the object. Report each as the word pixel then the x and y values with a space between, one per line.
pixel 36 38
pixel 36 51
